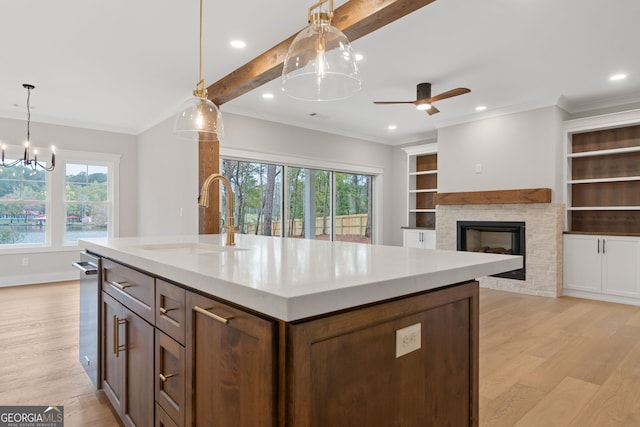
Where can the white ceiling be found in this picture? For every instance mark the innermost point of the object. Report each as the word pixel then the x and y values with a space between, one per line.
pixel 126 65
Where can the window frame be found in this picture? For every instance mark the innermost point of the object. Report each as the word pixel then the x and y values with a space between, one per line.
pixel 55 201
pixel 376 173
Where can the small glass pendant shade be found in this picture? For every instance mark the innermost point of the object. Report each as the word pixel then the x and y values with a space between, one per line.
pixel 199 119
pixel 320 65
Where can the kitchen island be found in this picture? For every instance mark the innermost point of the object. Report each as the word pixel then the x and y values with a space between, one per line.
pixel 275 332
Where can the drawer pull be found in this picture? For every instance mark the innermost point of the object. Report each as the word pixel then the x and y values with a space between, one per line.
pixel 121 286
pixel 220 319
pixel 166 310
pixel 117 348
pixel 164 378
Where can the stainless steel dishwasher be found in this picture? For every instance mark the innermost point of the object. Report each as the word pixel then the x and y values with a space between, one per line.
pixel 89 343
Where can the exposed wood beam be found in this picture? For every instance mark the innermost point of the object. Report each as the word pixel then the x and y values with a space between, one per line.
pixel 355 19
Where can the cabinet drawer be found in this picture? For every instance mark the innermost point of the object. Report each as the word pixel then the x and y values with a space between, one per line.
pixel 170 310
pixel 133 289
pixel 170 376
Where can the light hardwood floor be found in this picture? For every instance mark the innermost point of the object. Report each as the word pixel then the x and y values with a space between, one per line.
pixel 543 362
pixel 39 354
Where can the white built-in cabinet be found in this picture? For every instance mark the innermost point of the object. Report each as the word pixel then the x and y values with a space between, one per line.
pixel 602 193
pixel 602 265
pixel 422 186
pixel 424 239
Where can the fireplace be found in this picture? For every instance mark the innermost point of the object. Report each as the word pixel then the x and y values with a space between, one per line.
pixel 506 237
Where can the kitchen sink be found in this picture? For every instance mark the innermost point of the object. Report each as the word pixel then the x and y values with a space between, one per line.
pixel 188 247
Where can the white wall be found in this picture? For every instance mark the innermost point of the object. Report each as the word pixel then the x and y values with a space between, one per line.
pixel 168 182
pixel 515 151
pixel 172 184
pixel 53 264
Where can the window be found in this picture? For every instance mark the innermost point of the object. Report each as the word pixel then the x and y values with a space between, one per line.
pixel 23 206
pixel 317 204
pixel 353 207
pixel 87 201
pixel 310 203
pixel 54 209
pixel 257 188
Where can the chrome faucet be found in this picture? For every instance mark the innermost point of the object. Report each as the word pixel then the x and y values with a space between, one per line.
pixel 203 200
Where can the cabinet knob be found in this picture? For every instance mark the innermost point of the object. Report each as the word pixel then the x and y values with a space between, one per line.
pixel 166 310
pixel 117 347
pixel 220 319
pixel 121 286
pixel 164 378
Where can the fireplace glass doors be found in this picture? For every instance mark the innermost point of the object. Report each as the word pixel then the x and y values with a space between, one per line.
pixel 495 237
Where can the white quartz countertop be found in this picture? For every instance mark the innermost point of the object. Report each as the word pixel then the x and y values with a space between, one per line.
pixel 291 279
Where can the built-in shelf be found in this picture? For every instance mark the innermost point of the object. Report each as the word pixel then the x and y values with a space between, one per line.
pixel 431 172
pixel 603 179
pixel 595 180
pixel 605 152
pixel 422 186
pixel 604 208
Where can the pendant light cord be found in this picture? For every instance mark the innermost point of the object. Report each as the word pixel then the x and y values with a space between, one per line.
pixel 200 41
pixel 28 114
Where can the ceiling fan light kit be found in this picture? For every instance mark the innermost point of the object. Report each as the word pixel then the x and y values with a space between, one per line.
pixel 320 64
pixel 199 119
pixel 424 101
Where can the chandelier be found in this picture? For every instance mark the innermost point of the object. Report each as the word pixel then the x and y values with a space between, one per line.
pixel 27 160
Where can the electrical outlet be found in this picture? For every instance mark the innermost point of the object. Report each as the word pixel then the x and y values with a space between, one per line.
pixel 25 262
pixel 408 339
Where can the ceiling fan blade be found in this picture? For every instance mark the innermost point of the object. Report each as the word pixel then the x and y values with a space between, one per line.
pixel 449 94
pixel 394 102
pixel 431 111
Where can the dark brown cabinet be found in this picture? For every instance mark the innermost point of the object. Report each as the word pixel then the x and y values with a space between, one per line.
pixel 209 363
pixel 231 366
pixel 170 376
pixel 127 373
pixel 343 369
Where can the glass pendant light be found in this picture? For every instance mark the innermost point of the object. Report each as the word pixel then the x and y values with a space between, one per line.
pixel 320 64
pixel 199 119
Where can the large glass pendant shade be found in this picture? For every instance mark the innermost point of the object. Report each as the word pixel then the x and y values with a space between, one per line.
pixel 320 65
pixel 199 119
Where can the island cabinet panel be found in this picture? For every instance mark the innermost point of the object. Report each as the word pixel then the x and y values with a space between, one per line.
pixel 170 376
pixel 343 369
pixel 231 366
pixel 127 372
pixel 132 288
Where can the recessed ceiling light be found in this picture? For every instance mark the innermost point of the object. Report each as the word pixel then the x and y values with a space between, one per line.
pixel 359 57
pixel 481 107
pixel 267 95
pixel 620 76
pixel 392 127
pixel 238 44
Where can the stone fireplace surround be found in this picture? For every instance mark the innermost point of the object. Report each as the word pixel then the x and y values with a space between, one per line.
pixel 544 227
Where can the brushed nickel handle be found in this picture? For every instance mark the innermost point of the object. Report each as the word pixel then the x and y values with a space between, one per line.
pixel 164 378
pixel 224 320
pixel 117 347
pixel 166 310
pixel 120 285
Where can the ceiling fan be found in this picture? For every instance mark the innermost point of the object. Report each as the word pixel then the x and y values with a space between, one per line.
pixel 424 101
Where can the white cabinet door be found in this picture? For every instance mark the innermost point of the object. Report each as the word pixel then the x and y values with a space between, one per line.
pixel 412 239
pixel 620 268
pixel 582 263
pixel 419 239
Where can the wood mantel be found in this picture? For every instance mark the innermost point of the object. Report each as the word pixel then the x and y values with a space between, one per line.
pixel 527 195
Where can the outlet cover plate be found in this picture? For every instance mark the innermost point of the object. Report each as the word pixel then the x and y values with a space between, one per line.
pixel 408 339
